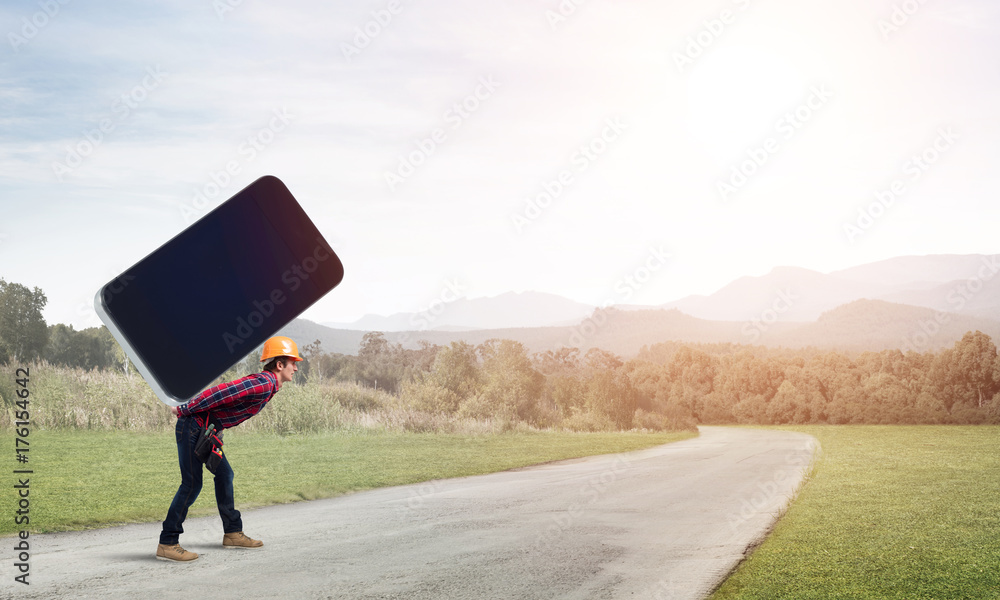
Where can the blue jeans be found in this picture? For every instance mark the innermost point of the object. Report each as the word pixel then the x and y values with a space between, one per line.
pixel 186 433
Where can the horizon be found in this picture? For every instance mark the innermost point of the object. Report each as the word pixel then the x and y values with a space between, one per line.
pixel 633 306
pixel 502 148
pixel 667 305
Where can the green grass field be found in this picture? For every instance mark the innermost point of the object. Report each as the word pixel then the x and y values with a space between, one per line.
pixel 87 479
pixel 907 512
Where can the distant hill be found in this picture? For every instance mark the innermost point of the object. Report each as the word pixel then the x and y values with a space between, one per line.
pixel 911 302
pixel 622 332
pixel 974 297
pixel 877 325
pixel 512 309
pixel 857 326
pixel 801 295
pixel 341 341
pixel 963 284
pixel 908 270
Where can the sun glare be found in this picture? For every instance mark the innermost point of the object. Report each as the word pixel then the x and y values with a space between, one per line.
pixel 735 96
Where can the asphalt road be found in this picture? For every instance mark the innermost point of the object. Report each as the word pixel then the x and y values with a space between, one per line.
pixel 665 523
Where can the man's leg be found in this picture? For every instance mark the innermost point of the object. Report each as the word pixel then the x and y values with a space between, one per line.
pixel 232 522
pixel 186 434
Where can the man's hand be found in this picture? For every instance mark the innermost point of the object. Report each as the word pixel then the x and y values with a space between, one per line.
pixel 173 410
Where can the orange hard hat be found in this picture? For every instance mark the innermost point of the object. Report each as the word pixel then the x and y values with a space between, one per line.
pixel 280 345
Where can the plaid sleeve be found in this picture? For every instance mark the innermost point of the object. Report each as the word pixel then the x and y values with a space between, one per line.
pixel 226 393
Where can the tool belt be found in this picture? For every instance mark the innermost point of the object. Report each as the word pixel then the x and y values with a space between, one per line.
pixel 208 447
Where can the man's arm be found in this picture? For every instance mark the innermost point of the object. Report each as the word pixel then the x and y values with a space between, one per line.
pixel 215 397
pixel 226 393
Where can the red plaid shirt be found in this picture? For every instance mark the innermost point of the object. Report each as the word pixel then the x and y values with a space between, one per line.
pixel 234 402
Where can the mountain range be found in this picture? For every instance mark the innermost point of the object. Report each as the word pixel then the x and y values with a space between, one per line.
pixel 963 284
pixel 913 302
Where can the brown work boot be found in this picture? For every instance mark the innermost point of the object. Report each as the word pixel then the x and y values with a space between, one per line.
pixel 174 552
pixel 240 540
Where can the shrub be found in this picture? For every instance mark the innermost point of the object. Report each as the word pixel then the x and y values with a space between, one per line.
pixel 588 421
pixel 483 406
pixel 613 396
pixel 674 420
pixel 429 396
pixel 297 409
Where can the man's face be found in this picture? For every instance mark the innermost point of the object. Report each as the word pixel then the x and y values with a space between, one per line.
pixel 286 372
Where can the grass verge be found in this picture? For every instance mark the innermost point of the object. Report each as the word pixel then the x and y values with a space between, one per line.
pixel 907 512
pixel 85 479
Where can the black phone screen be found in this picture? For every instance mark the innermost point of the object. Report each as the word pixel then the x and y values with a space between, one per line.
pixel 215 292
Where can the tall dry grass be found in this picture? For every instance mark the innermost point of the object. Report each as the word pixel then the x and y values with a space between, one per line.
pixel 73 399
pixel 64 398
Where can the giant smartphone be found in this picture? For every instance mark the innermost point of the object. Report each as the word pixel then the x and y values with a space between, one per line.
pixel 215 292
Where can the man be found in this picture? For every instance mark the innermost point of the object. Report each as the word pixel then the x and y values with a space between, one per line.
pixel 226 405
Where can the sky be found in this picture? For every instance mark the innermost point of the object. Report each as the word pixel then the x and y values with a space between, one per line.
pixel 451 149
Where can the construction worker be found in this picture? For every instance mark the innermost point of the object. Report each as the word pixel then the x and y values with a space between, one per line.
pixel 225 405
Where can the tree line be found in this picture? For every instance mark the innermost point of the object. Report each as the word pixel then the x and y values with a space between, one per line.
pixel 669 385
pixel 676 385
pixel 25 337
